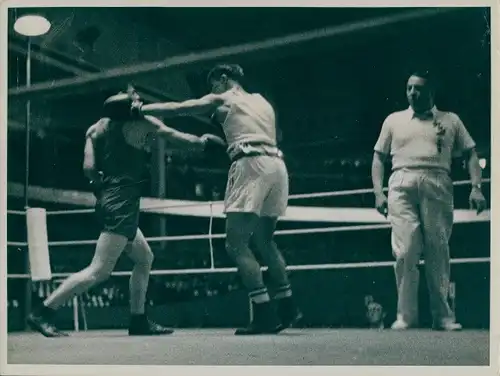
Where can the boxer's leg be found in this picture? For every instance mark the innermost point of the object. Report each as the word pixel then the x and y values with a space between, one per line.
pixel 239 229
pixel 245 193
pixel 119 212
pixel 242 208
pixel 271 255
pixel 274 206
pixel 108 250
pixel 142 256
pixel 287 310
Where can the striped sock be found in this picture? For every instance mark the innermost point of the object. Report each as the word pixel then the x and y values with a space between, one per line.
pixel 284 291
pixel 259 295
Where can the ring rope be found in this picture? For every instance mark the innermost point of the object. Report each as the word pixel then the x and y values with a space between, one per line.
pixel 222 236
pixel 16 212
pixel 179 205
pixel 17 244
pixel 353 265
pixel 363 191
pixel 211 203
pixel 76 211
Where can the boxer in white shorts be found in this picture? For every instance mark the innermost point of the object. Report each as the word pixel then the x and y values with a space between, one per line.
pixel 256 193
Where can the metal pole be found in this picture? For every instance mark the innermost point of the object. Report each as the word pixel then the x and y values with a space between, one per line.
pixel 28 303
pixel 28 121
pixel 158 184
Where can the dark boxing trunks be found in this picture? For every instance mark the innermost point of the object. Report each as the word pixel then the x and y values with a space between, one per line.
pixel 118 210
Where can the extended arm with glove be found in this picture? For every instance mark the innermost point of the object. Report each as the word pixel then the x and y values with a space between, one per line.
pixel 128 107
pixel 208 142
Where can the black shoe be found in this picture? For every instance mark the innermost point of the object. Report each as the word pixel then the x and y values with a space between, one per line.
pixel 142 326
pixel 265 321
pixel 288 312
pixel 44 326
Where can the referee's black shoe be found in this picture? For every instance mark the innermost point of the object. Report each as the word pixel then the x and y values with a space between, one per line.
pixel 140 325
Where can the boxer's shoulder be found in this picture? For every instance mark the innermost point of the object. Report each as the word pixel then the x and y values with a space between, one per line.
pixel 141 126
pixel 216 100
pixel 97 129
pixel 138 133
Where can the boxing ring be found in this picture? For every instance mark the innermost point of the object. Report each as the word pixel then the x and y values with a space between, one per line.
pixel 316 346
pixel 208 346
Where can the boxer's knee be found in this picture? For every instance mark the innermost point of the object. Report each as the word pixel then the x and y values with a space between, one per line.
pixel 145 259
pixel 237 247
pixel 108 250
pixel 140 252
pixel 264 232
pixel 239 229
pixel 98 273
pixel 235 244
pixel 231 248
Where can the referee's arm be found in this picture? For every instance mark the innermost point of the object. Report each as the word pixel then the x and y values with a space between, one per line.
pixel 382 149
pixel 378 172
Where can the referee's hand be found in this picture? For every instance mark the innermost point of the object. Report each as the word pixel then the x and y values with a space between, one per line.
pixel 477 200
pixel 381 204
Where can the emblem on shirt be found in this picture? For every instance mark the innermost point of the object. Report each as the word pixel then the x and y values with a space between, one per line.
pixel 440 132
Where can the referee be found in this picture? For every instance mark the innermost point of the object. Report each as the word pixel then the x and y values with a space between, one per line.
pixel 422 141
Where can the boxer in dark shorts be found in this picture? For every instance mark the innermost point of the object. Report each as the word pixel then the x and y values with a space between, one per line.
pixel 122 169
pixel 115 161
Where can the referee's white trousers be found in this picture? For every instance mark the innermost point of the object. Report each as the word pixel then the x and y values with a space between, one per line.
pixel 420 205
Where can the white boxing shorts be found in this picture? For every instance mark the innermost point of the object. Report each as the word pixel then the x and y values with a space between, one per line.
pixel 259 185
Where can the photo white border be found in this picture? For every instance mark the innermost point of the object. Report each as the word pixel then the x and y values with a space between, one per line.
pixel 253 370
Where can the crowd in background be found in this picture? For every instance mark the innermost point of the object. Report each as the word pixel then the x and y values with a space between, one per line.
pixel 186 180
pixel 312 249
pixel 54 163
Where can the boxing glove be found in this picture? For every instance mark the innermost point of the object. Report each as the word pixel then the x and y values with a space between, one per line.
pixel 122 107
pixel 212 142
pixel 96 184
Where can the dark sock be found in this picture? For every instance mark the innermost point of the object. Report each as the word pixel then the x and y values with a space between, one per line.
pixel 259 295
pixel 138 319
pixel 282 292
pixel 45 311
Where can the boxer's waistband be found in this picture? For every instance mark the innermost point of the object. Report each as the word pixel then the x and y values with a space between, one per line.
pixel 254 149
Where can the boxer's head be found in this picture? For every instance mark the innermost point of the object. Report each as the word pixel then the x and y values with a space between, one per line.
pixel 224 77
pixel 118 106
pixel 420 91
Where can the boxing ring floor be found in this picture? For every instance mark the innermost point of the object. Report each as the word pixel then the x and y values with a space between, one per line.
pixel 322 347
